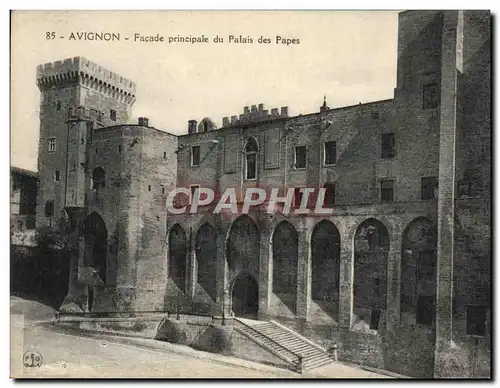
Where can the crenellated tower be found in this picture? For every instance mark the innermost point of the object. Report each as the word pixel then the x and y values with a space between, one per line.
pixel 77 97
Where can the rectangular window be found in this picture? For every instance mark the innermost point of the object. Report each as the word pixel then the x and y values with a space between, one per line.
pixel 375 319
pixel 112 115
pixel 476 320
pixel 430 96
pixel 329 199
pixel 52 144
pixel 49 208
pixel 463 189
pixel 57 176
pixel 164 155
pixel 251 166
pixel 193 191
pixel 297 196
pixel 426 265
pixel 163 190
pixel 387 190
pixel 300 157
pixel 429 187
pixel 119 149
pixel 149 187
pixel 425 310
pixel 388 145
pixel 330 152
pixel 195 156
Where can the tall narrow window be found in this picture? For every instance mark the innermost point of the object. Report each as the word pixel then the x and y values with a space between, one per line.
pixel 329 199
pixel 430 96
pixel 98 179
pixel 387 190
pixel 476 320
pixel 388 145
pixel 195 156
pixel 297 196
pixel 251 159
pixel 57 175
pixel 49 208
pixel 429 187
pixel 425 310
pixel 300 157
pixel 194 190
pixel 205 126
pixel 112 115
pixel 330 152
pixel 52 144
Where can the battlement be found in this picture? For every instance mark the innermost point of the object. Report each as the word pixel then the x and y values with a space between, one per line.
pixel 84 72
pixel 255 114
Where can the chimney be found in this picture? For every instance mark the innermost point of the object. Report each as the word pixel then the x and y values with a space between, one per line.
pixel 144 121
pixel 246 110
pixel 192 126
pixel 284 111
pixel 225 121
pixel 274 112
pixel 234 119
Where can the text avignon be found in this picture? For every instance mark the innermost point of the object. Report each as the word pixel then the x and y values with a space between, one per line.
pixel 95 36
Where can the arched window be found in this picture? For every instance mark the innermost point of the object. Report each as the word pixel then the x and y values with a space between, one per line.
pixel 98 179
pixel 251 159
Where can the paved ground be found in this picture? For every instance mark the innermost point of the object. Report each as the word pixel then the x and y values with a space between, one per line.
pixel 67 355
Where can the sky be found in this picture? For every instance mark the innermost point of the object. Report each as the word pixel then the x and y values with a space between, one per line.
pixel 349 56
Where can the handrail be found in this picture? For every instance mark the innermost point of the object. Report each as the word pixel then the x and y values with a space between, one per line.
pixel 300 336
pixel 297 356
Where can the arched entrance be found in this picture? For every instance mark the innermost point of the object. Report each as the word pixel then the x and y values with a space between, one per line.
pixel 206 258
pixel 418 272
pixel 245 296
pixel 285 255
pixel 95 238
pixel 325 262
pixel 177 249
pixel 371 249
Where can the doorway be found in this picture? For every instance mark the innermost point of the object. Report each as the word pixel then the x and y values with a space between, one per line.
pixel 245 296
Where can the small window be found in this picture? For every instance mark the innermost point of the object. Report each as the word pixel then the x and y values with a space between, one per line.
pixel 330 152
pixel 98 179
pixel 387 190
pixel 120 148
pixel 52 144
pixel 149 187
pixel 195 156
pixel 205 126
pixel 58 105
pixel 476 320
pixel 112 115
pixel 430 96
pixel 251 150
pixel 429 188
pixel 57 176
pixel 425 310
pixel 300 157
pixel 82 141
pixel 49 208
pixel 463 189
pixel 297 196
pixel 388 145
pixel 163 190
pixel 164 155
pixel 329 199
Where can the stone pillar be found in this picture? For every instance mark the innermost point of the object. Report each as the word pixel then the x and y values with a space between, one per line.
pixel 265 273
pixel 223 299
pixel 394 279
pixel 304 273
pixel 451 63
pixel 346 279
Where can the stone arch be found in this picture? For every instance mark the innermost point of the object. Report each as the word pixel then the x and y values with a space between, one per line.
pixel 285 251
pixel 206 258
pixel 206 125
pixel 243 245
pixel 371 249
pixel 418 271
pixel 325 266
pixel 95 239
pixel 177 256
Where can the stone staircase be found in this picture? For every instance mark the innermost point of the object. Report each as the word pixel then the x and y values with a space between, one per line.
pixel 300 353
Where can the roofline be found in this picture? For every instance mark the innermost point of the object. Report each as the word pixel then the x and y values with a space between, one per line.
pixel 23 171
